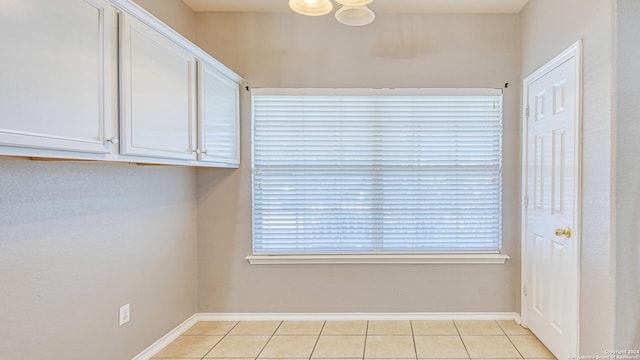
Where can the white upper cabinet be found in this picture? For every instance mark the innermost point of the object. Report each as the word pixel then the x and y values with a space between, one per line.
pixel 78 77
pixel 218 115
pixel 157 94
pixel 56 75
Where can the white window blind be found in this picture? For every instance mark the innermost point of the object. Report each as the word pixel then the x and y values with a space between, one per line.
pixel 377 171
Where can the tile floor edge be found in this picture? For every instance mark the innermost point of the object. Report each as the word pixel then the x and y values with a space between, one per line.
pixel 165 340
pixel 168 338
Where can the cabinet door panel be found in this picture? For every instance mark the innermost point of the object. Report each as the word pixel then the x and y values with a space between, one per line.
pixel 158 79
pixel 219 117
pixel 56 74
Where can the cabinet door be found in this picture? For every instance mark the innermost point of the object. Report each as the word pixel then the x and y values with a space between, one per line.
pixel 219 117
pixel 55 74
pixel 157 94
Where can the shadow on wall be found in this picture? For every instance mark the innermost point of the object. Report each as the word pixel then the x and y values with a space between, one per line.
pixel 218 195
pixel 212 179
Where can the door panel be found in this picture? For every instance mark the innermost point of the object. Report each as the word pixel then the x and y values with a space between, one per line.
pixel 538 172
pixel 558 174
pixel 538 275
pixel 556 294
pixel 551 162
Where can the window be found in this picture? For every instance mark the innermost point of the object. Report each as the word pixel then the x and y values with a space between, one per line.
pixel 364 171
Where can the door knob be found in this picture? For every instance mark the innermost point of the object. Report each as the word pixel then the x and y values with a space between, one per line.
pixel 564 232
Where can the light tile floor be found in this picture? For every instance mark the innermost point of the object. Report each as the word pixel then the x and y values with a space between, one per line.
pixel 341 340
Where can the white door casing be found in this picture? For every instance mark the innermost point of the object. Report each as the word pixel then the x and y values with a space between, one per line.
pixel 551 212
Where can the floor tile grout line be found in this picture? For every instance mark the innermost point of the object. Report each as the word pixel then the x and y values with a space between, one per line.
pixel 217 342
pixel 401 335
pixel 317 340
pixel 514 346
pixel 501 329
pixel 413 337
pixel 350 334
pixel 508 338
pixel 214 345
pixel 366 335
pixel 208 335
pixel 367 327
pixel 270 337
pixel 461 339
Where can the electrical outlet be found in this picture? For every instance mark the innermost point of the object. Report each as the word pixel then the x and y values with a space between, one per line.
pixel 125 314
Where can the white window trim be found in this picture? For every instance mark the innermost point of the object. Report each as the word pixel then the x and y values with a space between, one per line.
pixel 408 259
pixel 383 91
pixel 488 258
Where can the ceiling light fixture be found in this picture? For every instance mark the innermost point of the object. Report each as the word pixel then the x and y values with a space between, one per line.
pixel 354 2
pixel 311 7
pixel 355 15
pixel 351 12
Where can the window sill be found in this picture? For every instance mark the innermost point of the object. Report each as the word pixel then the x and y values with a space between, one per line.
pixel 471 258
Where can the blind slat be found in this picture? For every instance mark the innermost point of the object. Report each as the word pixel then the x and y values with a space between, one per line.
pixel 376 173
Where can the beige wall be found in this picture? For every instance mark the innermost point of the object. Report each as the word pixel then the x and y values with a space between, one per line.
pixel 78 240
pixel 547 28
pixel 288 50
pixel 627 176
pixel 174 13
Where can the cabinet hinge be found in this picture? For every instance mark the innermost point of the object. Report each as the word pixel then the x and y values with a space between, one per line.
pixel 526 201
pixel 526 112
pixel 524 289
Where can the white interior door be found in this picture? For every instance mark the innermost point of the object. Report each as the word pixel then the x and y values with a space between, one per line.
pixel 551 214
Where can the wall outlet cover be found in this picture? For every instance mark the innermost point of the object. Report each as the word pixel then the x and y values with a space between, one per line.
pixel 125 314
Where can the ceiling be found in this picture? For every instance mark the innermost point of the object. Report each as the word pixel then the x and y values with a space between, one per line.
pixel 381 6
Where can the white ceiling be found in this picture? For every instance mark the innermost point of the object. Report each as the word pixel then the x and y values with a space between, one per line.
pixel 391 6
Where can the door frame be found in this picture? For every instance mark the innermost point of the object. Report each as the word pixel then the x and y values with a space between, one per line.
pixel 574 51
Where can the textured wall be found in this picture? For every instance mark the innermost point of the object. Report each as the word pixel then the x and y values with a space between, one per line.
pixel 78 240
pixel 628 176
pixel 547 28
pixel 288 50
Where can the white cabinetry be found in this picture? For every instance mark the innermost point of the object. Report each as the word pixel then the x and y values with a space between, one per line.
pixel 157 94
pixel 218 115
pixel 79 76
pixel 56 77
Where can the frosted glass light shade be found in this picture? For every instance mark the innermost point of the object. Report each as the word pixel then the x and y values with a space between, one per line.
pixel 355 15
pixel 311 7
pixel 354 2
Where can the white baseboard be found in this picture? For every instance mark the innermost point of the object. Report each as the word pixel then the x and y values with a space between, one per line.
pixel 167 339
pixel 173 334
pixel 359 316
